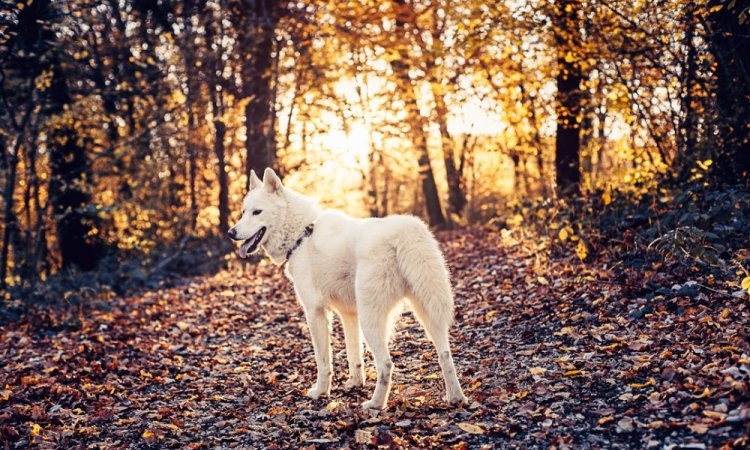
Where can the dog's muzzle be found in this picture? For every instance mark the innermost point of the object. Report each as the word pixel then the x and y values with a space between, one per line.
pixel 250 245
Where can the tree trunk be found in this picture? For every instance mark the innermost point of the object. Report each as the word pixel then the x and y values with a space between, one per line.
pixel 217 87
pixel 568 139
pixel 70 179
pixel 257 80
pixel 690 75
pixel 9 216
pixel 188 56
pixel 454 179
pixel 730 44
pixel 418 129
pixel 220 130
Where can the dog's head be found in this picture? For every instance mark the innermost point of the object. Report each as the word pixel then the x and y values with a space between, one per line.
pixel 263 210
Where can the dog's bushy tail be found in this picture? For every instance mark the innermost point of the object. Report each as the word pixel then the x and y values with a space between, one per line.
pixel 423 267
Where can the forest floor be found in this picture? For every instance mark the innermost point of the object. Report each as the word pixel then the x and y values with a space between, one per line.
pixel 551 352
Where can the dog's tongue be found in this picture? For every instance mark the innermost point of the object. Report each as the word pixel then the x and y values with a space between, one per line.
pixel 244 248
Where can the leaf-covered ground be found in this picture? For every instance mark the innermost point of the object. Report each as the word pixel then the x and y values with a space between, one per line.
pixel 552 353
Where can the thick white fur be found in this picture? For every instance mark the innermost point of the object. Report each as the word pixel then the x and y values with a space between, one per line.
pixel 362 269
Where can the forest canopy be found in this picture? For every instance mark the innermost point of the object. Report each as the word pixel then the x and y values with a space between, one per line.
pixel 127 125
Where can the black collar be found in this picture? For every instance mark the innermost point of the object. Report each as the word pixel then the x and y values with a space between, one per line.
pixel 308 231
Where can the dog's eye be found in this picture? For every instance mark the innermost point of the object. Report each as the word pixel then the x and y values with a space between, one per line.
pixel 256 212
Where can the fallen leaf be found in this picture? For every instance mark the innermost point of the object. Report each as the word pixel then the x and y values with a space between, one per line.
pixel 471 428
pixel 36 429
pixel 706 392
pixel 625 425
pixel 537 370
pixel 714 414
pixel 606 420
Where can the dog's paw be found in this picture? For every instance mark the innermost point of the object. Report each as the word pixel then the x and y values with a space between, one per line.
pixel 353 383
pixel 315 393
pixel 371 404
pixel 456 399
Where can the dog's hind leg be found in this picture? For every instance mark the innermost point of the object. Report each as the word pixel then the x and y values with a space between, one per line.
pixel 375 330
pixel 353 337
pixel 378 290
pixel 437 331
pixel 318 320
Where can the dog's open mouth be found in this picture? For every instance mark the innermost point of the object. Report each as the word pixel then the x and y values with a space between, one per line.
pixel 250 245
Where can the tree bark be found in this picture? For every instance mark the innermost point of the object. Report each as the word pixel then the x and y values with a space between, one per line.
pixel 257 80
pixel 418 124
pixel 9 216
pixel 454 179
pixel 190 87
pixel 730 44
pixel 568 98
pixel 70 178
pixel 215 75
pixel 223 183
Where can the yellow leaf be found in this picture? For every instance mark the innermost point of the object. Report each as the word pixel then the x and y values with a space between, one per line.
pixel 650 382
pixel 706 392
pixel 36 429
pixel 572 373
pixel 746 283
pixel 149 436
pixel 471 428
pixel 725 313
pixel 563 234
pixel 543 281
pixel 581 250
pixel 537 370
pixel 606 198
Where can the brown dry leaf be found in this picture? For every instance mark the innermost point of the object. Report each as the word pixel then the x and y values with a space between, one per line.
pixel 699 427
pixel 714 414
pixel 537 370
pixel 471 428
pixel 606 420
pixel 365 437
pixel 625 425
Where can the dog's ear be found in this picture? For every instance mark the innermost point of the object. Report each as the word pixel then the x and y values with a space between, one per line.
pixel 271 181
pixel 254 180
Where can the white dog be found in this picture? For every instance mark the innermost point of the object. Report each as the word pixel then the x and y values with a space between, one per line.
pixel 360 268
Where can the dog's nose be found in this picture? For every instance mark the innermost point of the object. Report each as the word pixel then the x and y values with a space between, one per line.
pixel 232 233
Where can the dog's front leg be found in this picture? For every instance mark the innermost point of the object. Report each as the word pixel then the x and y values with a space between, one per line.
pixel 353 337
pixel 318 320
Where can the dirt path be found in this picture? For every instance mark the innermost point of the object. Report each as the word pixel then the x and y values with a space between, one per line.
pixel 551 353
